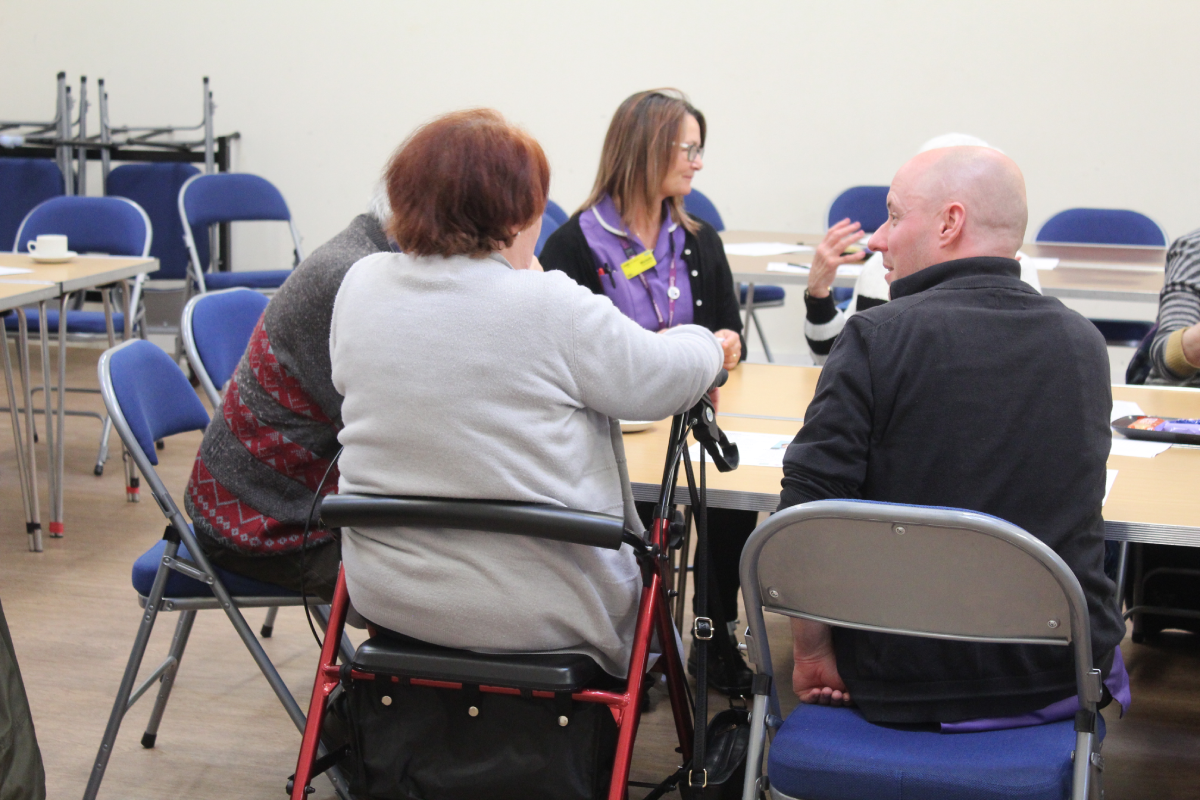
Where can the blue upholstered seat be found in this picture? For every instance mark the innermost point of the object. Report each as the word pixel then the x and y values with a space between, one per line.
pixel 257 279
pixel 762 294
pixel 866 205
pixel 80 321
pixel 698 205
pixel 824 753
pixel 179 586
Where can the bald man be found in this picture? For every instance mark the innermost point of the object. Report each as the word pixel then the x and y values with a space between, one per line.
pixel 970 390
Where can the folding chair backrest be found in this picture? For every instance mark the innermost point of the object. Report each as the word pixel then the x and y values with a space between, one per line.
pixel 24 183
pixel 866 205
pixel 1102 226
pixel 112 225
pixel 524 519
pixel 549 226
pixel 231 197
pixel 937 572
pixel 147 396
pixel 698 205
pixel 556 213
pixel 216 329
pixel 155 187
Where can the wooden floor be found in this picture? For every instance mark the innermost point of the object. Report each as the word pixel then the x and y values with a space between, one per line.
pixel 73 615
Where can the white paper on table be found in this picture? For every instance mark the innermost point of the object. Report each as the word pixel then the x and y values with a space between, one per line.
pixel 1037 263
pixel 765 249
pixel 1125 408
pixel 1109 479
pixel 1136 448
pixel 845 270
pixel 754 449
pixel 14 271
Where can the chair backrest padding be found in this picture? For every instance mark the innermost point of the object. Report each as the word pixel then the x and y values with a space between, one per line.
pixel 1115 226
pixel 146 389
pixel 866 205
pixel 220 325
pixel 935 572
pixel 698 205
pixel 155 187
pixel 112 225
pixel 231 197
pixel 24 183
pixel 556 213
pixel 549 226
pixel 540 521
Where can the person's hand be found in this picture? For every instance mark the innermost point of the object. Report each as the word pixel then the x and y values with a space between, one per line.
pixel 815 677
pixel 828 256
pixel 731 343
pixel 1191 344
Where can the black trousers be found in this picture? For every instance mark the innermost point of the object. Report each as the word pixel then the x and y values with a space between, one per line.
pixel 728 530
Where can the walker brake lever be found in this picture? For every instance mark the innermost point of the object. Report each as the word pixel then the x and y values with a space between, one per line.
pixel 702 419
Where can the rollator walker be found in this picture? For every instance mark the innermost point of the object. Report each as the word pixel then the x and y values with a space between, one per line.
pixel 567 680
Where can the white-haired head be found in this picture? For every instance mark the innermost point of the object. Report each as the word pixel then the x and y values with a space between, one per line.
pixel 380 207
pixel 955 140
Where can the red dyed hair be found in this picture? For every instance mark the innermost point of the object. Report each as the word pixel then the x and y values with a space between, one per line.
pixel 461 184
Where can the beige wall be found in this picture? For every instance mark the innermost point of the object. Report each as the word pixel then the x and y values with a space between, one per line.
pixel 1097 101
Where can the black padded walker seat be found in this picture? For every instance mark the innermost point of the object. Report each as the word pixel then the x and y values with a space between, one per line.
pixel 405 657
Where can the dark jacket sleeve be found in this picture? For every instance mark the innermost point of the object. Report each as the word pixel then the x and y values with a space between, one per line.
pixel 719 292
pixel 828 457
pixel 567 250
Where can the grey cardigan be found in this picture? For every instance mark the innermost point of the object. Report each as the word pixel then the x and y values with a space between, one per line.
pixel 465 378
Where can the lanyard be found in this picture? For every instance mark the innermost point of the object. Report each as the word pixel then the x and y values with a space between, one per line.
pixel 672 290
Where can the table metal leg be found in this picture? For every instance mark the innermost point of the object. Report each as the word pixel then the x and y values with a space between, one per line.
pixel 28 479
pixel 27 374
pixel 56 521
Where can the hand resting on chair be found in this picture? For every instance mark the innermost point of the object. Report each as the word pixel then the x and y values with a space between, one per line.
pixel 815 678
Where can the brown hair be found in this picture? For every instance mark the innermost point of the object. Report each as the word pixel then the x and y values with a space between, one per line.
pixel 639 148
pixel 460 184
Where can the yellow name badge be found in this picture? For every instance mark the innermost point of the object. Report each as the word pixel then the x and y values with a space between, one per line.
pixel 638 264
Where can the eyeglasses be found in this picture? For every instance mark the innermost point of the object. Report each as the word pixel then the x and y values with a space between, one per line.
pixel 692 151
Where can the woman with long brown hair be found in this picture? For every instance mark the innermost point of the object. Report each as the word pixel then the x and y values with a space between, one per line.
pixel 633 242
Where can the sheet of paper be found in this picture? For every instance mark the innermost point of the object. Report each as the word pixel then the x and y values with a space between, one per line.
pixel 1124 408
pixel 765 249
pixel 754 449
pixel 1109 479
pixel 1137 449
pixel 14 271
pixel 845 270
pixel 1040 263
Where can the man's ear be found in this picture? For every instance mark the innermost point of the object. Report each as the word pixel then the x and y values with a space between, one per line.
pixel 954 218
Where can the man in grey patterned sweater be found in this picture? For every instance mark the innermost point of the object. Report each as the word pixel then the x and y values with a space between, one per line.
pixel 1175 351
pixel 264 454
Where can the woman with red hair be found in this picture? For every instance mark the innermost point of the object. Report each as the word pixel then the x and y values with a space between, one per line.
pixel 469 373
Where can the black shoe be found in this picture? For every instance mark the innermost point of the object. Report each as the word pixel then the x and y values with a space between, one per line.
pixel 732 679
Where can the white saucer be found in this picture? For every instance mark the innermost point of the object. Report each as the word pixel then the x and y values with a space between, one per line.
pixel 58 259
pixel 634 426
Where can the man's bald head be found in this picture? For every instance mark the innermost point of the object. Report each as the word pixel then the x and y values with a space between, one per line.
pixel 949 203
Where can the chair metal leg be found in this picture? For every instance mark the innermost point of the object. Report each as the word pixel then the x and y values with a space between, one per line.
pixel 754 753
pixel 34 525
pixel 102 455
pixel 121 703
pixel 762 337
pixel 183 629
pixel 268 626
pixel 749 310
pixel 1122 563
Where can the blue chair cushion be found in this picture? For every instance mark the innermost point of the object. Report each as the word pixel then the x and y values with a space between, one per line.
pixel 180 586
pixel 762 294
pixel 823 753
pixel 77 322
pixel 262 279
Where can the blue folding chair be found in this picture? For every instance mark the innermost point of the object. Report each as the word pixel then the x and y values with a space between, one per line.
pixel 216 329
pixel 698 205
pixel 206 200
pixel 556 213
pixel 920 571
pixel 149 398
pixel 110 225
pixel 24 183
pixel 549 226
pixel 866 205
pixel 1111 226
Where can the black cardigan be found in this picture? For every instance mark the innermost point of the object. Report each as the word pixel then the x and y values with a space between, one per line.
pixel 714 296
pixel 968 390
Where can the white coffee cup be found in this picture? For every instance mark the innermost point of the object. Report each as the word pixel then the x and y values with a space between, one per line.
pixel 48 245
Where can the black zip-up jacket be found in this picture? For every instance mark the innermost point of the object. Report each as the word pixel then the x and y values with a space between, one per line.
pixel 714 298
pixel 969 390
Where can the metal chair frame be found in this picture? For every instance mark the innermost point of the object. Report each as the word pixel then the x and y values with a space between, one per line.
pixel 199 568
pixel 785 558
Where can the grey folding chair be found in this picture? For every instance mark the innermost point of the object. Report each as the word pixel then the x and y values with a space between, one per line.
pixel 919 571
